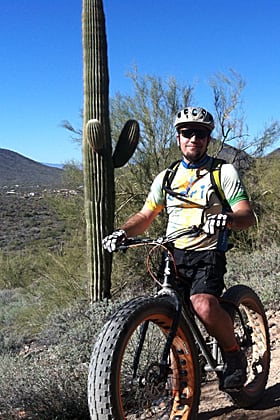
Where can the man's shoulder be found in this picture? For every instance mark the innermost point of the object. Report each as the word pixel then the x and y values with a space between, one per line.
pixel 167 172
pixel 223 166
pixel 228 169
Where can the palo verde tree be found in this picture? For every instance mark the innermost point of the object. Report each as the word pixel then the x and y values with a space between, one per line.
pixel 249 154
pixel 154 103
pixel 98 160
pixel 230 123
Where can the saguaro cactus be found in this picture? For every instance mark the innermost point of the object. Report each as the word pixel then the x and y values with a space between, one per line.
pixel 98 161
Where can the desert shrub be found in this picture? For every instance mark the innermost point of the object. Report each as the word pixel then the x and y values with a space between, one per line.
pixel 16 269
pixel 35 388
pixel 259 270
pixel 262 184
pixel 47 379
pixel 11 304
pixel 35 282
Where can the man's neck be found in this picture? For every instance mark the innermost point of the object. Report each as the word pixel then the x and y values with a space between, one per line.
pixel 194 165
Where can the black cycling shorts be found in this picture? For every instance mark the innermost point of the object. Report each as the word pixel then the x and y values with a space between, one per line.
pixel 200 271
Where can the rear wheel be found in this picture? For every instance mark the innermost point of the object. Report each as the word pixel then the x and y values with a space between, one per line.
pixel 257 348
pixel 118 390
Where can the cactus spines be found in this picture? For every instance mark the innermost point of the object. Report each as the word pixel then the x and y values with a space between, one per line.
pixel 94 135
pixel 126 144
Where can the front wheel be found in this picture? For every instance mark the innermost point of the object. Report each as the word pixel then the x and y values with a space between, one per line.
pixel 256 344
pixel 126 383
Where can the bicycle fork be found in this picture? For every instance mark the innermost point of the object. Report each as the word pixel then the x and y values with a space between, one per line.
pixel 164 364
pixel 166 289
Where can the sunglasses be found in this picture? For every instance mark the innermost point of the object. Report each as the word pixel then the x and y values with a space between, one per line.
pixel 198 133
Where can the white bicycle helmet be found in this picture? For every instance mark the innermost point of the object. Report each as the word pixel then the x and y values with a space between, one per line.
pixel 194 115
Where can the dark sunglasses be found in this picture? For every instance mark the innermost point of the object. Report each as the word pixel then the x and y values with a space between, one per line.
pixel 190 132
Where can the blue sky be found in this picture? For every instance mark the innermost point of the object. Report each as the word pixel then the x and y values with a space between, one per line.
pixel 41 61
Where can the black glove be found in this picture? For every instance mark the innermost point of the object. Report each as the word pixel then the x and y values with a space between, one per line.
pixel 217 221
pixel 111 242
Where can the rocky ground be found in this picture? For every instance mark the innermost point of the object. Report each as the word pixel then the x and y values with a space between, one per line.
pixel 216 405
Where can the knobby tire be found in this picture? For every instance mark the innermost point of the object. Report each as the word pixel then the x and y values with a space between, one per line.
pixel 258 353
pixel 113 392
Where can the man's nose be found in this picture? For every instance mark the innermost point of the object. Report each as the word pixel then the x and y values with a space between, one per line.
pixel 193 137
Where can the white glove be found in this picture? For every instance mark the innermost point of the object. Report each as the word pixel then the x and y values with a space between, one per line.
pixel 111 242
pixel 217 221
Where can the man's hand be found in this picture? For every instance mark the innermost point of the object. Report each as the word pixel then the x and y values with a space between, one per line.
pixel 112 241
pixel 217 221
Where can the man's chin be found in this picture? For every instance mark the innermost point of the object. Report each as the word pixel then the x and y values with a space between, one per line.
pixel 194 158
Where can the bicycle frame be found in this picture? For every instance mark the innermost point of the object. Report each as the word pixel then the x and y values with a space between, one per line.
pixel 213 358
pixel 210 350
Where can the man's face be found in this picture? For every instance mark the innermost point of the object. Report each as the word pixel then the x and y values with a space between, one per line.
pixel 193 140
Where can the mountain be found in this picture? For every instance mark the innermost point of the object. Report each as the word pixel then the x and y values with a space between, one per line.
pixel 239 158
pixel 275 153
pixel 16 169
pixel 53 165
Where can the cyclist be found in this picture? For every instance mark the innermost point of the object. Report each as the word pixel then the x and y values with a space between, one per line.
pixel 192 200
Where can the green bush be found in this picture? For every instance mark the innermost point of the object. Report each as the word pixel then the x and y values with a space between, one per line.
pixel 259 270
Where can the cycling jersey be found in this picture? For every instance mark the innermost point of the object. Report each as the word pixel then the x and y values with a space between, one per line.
pixel 193 183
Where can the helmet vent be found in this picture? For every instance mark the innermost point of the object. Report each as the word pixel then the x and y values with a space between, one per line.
pixel 194 115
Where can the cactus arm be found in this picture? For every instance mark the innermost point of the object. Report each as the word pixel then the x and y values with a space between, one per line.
pixel 94 135
pixel 126 144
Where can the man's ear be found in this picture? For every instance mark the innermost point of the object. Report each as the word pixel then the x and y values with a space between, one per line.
pixel 178 140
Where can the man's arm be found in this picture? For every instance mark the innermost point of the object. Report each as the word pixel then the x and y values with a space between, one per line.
pixel 134 226
pixel 139 222
pixel 242 215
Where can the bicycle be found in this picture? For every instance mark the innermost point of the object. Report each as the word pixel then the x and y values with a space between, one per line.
pixel 149 357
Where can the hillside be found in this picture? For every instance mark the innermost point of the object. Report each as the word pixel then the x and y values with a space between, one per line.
pixel 16 169
pixel 27 215
pixel 19 170
pixel 275 153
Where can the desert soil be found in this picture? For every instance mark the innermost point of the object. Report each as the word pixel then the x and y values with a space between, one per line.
pixel 216 405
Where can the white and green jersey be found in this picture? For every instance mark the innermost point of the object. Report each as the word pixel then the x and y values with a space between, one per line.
pixel 200 200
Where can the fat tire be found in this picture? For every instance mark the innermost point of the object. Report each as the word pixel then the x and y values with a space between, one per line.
pixel 104 379
pixel 258 355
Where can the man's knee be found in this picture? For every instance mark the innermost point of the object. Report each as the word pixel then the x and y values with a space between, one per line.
pixel 205 305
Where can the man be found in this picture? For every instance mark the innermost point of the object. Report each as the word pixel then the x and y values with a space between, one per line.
pixel 190 199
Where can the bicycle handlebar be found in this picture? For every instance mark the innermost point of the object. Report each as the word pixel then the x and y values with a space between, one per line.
pixel 192 231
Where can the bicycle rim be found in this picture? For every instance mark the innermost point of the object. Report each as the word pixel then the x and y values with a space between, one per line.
pixel 145 392
pixel 258 352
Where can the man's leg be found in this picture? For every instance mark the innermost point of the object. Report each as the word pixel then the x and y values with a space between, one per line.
pixel 219 325
pixel 216 320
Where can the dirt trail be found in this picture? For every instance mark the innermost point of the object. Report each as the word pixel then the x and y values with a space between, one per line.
pixel 216 405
